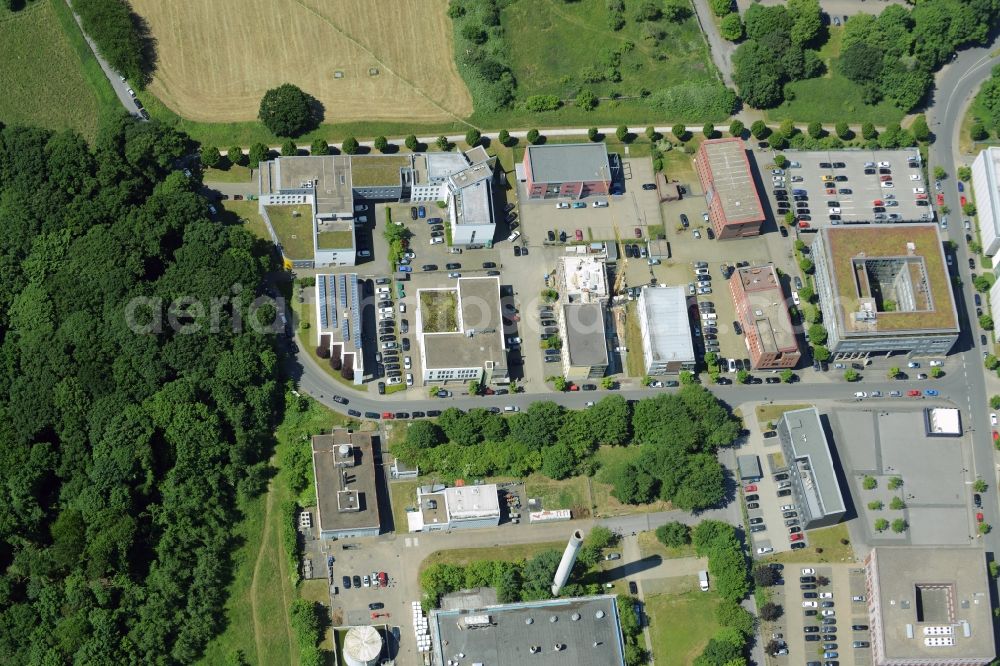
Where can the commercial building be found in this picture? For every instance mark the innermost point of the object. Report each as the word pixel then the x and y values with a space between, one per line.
pixel 460 332
pixel 567 170
pixel 582 283
pixel 338 323
pixel 667 347
pixel 986 185
pixel 339 190
pixel 749 468
pixel 810 468
pixel 734 208
pixel 929 607
pixel 440 508
pixel 767 326
pixel 582 631
pixel 885 289
pixel 344 472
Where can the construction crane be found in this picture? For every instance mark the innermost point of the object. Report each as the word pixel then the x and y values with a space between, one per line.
pixel 622 266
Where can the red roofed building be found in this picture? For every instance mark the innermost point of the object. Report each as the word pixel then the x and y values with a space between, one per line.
pixel 734 208
pixel 767 326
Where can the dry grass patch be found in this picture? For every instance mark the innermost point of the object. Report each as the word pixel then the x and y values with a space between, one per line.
pixel 216 59
pixel 771 413
pixel 439 310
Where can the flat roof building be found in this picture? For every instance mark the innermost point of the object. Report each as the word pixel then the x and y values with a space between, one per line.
pixel 885 288
pixel 665 329
pixel 929 606
pixel 734 207
pixel 749 467
pixel 461 507
pixel 567 170
pixel 585 341
pixel 344 473
pixel 986 185
pixel 810 467
pixel 761 309
pixel 338 324
pixel 460 332
pixel 581 631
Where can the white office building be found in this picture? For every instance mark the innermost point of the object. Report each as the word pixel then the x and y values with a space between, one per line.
pixel 441 508
pixel 667 347
pixel 986 185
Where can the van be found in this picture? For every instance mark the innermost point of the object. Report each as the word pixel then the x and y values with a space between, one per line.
pixel 703 580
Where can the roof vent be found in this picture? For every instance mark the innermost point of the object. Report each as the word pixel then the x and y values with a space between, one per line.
pixel 553 619
pixel 575 617
pixel 528 620
pixel 599 614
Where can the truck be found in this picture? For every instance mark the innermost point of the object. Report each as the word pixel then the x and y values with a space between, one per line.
pixel 703 580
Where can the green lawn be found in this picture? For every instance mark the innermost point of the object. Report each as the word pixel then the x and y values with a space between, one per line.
pixel 608 459
pixel 829 540
pixel 333 240
pixel 572 493
pixel 46 80
pixel 260 593
pixel 649 545
pixel 404 495
pixel 832 97
pixel 231 174
pixel 633 342
pixel 246 212
pixel 509 553
pixel 680 625
pixel 294 231
pixel 580 29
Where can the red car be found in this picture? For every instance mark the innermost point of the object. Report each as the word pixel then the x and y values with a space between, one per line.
pixel 914 393
pixel 638 232
pixel 979 517
pixel 750 489
pixel 803 224
pixel 921 196
pixel 574 387
pixel 579 235
pixel 996 436
pixel 962 200
pixel 383 579
pixel 376 616
pixel 388 415
pixel 940 200
pixel 878 202
pixel 831 191
pixel 796 537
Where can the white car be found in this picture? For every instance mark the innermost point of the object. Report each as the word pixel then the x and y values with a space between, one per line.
pixel 656 384
pixel 590 403
pixel 936 364
pixel 562 205
pixel 887 183
pixel 828 613
pixel 514 340
pixel 791 507
pixel 391 381
pixel 835 211
pixel 365 581
pixel 919 190
pixel 436 241
pixel 701 271
pixel 511 408
pixel 385 310
pixel 914 176
pixel 807 571
pixel 809 604
pixel 514 236
pixel 407 362
pixel 763 550
pixel 600 204
pixel 409 379
pixel 993 419
pixel 795 297
pixel 860 394
pixel 826 595
pixel 884 165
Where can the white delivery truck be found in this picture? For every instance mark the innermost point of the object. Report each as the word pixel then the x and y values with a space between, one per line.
pixel 703 580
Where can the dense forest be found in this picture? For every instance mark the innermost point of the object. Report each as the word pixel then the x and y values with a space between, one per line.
pixel 124 453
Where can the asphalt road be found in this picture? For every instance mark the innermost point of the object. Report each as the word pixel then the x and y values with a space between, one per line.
pixel 120 87
pixel 956 85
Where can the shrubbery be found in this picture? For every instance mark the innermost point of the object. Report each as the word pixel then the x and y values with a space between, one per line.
pixel 120 36
pixel 695 102
pixel 481 53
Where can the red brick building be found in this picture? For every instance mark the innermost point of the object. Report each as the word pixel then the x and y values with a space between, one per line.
pixel 734 208
pixel 567 171
pixel 767 326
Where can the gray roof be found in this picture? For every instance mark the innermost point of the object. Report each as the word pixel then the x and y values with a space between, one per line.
pixel 803 430
pixel 474 201
pixel 935 588
pixel 569 162
pixel 514 629
pixel 479 311
pixel 749 466
pixel 586 338
pixel 352 505
pixel 666 314
pixel 441 165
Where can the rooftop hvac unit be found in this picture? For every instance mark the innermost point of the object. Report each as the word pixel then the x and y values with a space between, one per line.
pixel 939 641
pixel 477 621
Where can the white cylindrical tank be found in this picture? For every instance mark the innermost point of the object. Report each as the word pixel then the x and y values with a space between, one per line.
pixel 362 646
pixel 567 562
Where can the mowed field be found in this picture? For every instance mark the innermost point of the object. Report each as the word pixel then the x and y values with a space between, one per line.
pixel 216 58
pixel 41 76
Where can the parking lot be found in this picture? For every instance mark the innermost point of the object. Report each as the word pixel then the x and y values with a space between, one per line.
pixel 850 187
pixel 838 594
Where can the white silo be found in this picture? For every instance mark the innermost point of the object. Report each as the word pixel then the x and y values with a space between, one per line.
pixel 567 562
pixel 362 646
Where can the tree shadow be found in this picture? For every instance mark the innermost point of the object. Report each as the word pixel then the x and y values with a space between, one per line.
pixel 316 113
pixel 148 56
